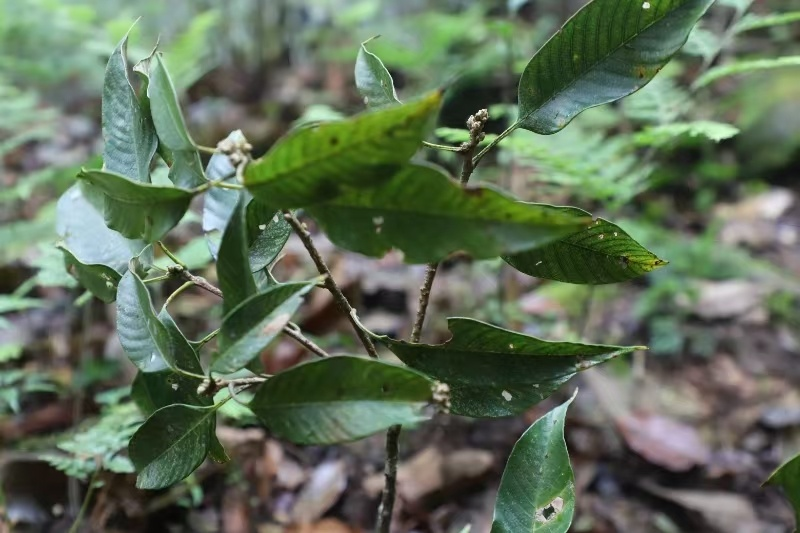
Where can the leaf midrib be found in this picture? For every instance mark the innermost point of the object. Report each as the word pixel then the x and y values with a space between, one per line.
pixel 210 411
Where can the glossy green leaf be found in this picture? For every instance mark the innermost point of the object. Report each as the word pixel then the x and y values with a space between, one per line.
pixel 171 444
pixel 218 202
pixel 495 372
pixel 271 232
pixel 373 80
pixel 128 131
pixel 339 399
pixel 254 323
pixel 607 50
pixel 317 163
pixel 599 253
pixel 537 490
pixel 428 216
pixel 187 169
pixel 91 250
pixel 233 265
pixel 152 342
pixel 153 390
pixel 751 21
pixel 787 476
pixel 138 210
pixel 745 67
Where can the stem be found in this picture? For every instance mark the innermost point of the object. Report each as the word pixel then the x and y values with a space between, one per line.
pixel 171 255
pixel 86 499
pixel 492 144
pixel 206 149
pixel 424 297
pixel 475 123
pixel 202 342
pixel 293 330
pixel 223 185
pixel 201 282
pixel 390 473
pixel 444 147
pixel 157 279
pixel 177 292
pixel 330 283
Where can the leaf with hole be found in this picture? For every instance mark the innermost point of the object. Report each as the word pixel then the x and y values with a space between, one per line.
pixel 495 372
pixel 597 254
pixel 93 254
pixel 537 490
pixel 138 210
pixel 340 399
pixel 254 323
pixel 128 131
pixel 373 80
pixel 607 50
pixel 317 163
pixel 428 216
pixel 171 444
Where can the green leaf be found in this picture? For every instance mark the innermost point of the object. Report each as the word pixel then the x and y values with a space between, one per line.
pixel 494 372
pixel 271 232
pixel 607 50
pixel 171 444
pixel 164 107
pixel 537 490
pixel 751 21
pixel 100 280
pixel 175 144
pixel 340 399
pixel 218 202
pixel 254 323
pixel 128 131
pixel 317 163
pixel 233 265
pixel 152 342
pixel 138 210
pixel 428 216
pixel 91 250
pixel 153 390
pixel 597 254
pixel 745 67
pixel 665 133
pixel 373 80
pixel 787 476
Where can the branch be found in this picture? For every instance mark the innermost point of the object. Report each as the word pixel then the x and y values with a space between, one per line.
pixel 330 283
pixel 475 123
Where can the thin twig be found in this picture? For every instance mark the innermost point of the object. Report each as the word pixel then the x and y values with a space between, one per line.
pixel 293 330
pixel 171 255
pixel 424 298
pixel 475 123
pixel 390 473
pixel 443 147
pixel 177 292
pixel 181 273
pixel 330 283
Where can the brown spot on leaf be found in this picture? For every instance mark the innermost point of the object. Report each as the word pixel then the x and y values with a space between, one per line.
pixel 275 325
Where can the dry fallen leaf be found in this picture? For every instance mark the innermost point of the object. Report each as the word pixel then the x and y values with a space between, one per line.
pixel 663 441
pixel 320 493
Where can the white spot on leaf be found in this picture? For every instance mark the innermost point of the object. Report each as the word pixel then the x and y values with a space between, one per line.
pixel 174 386
pixel 506 395
pixel 538 263
pixel 646 5
pixel 262 227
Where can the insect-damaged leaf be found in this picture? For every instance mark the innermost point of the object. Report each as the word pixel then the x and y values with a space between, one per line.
pixel 537 490
pixel 601 252
pixel 317 163
pixel 339 399
pixel 428 216
pixel 606 51
pixel 493 371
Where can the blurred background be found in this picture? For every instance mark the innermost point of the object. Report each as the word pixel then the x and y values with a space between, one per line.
pixel 677 439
